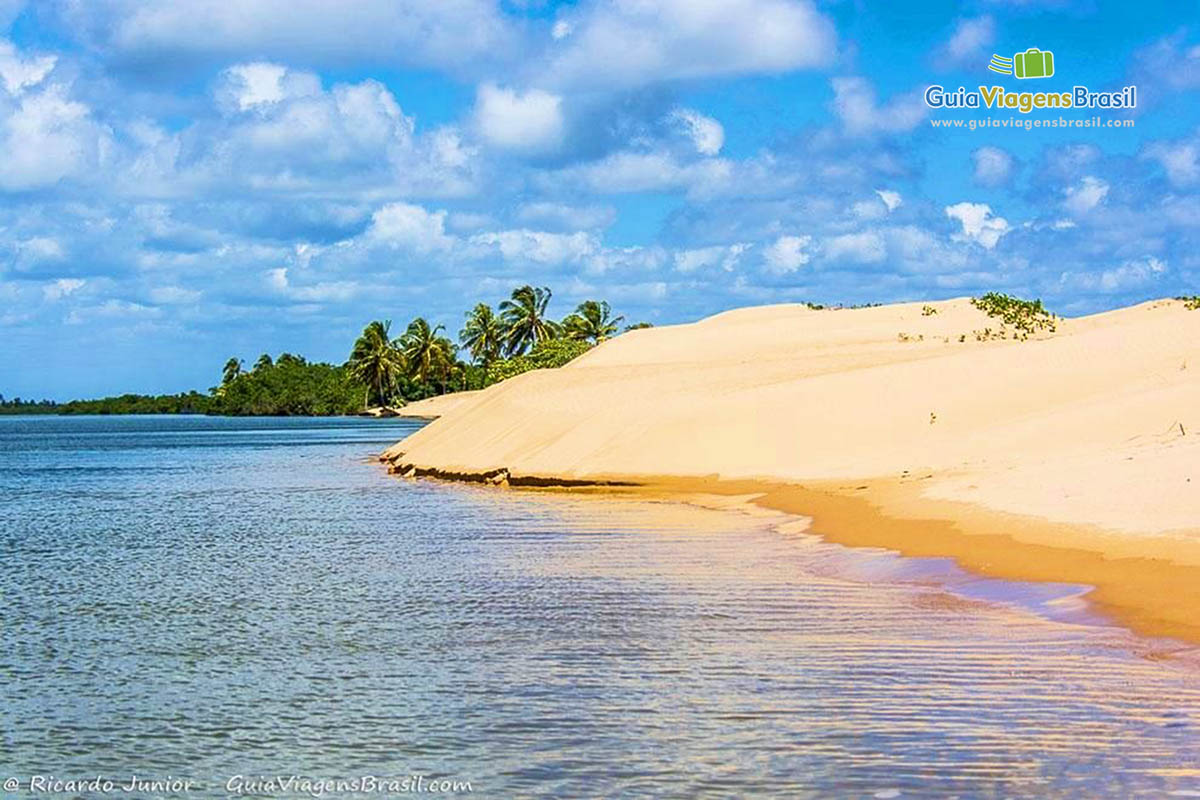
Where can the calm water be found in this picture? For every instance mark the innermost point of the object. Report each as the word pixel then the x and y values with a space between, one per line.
pixel 208 598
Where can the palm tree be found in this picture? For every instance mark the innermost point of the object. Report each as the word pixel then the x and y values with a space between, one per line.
pixel 375 360
pixel 592 321
pixel 233 368
pixel 483 335
pixel 429 355
pixel 524 318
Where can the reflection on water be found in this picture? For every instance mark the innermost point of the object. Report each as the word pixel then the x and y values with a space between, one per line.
pixel 216 597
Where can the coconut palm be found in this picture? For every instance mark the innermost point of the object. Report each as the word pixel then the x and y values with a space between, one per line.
pixel 524 318
pixel 592 322
pixel 376 361
pixel 233 368
pixel 483 335
pixel 429 355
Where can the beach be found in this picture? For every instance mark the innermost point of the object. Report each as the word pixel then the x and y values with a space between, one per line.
pixel 1067 454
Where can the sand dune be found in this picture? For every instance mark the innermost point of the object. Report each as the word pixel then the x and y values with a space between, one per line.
pixel 1095 426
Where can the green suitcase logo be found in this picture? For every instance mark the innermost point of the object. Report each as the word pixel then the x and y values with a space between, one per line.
pixel 1033 63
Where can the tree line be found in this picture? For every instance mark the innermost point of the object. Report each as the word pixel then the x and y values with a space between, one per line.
pixel 520 336
pixel 382 370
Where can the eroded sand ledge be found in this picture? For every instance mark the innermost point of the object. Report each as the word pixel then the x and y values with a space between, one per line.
pixel 1072 456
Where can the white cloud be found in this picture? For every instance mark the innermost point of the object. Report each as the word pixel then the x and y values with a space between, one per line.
pixel 45 137
pixel 174 295
pixel 258 84
pixel 1180 160
pixel 637 258
pixel 635 42
pixel 561 29
pixel 978 224
pixel 411 227
pixel 335 291
pixel 529 121
pixel 866 247
pixel 725 256
pixel 120 310
pixel 62 287
pixel 993 165
pixel 286 134
pixel 539 246
pixel 969 41
pixel 39 249
pixel 1132 274
pixel 891 199
pixel 787 254
pixel 706 133
pixel 856 105
pixel 18 73
pixel 1085 196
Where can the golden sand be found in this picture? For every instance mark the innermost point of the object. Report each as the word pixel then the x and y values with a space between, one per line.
pixel 1073 456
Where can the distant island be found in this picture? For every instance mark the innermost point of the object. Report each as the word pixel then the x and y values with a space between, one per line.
pixel 382 371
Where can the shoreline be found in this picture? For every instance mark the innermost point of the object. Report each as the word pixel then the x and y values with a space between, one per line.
pixel 1063 455
pixel 1153 596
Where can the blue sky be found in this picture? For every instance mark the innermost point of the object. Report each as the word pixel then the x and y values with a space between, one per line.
pixel 184 182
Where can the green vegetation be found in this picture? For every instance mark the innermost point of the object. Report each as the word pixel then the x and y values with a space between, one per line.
pixel 1027 316
pixel 184 403
pixel 288 386
pixel 382 370
pixel 1190 302
pixel 592 322
pixel 549 354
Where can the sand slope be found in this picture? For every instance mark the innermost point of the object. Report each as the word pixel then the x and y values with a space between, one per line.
pixel 1083 425
pixel 903 429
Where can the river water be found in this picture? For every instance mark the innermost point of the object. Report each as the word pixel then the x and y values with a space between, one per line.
pixel 232 601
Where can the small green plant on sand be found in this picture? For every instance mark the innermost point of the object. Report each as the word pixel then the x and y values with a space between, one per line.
pixel 1191 303
pixel 1027 316
pixel 928 311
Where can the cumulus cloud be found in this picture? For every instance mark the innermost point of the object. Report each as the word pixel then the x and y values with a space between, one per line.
pixel 258 84
pixel 47 136
pixel 1131 274
pixel 978 223
pixel 724 256
pixel 1086 195
pixel 890 198
pixel 409 226
pixel 787 254
pixel 865 247
pixel 539 246
pixel 1179 159
pixel 856 105
pixel 529 121
pixel 706 133
pixel 281 130
pixel 993 165
pixel 17 71
pixel 62 288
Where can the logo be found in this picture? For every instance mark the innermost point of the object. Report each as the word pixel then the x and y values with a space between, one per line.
pixel 1033 63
